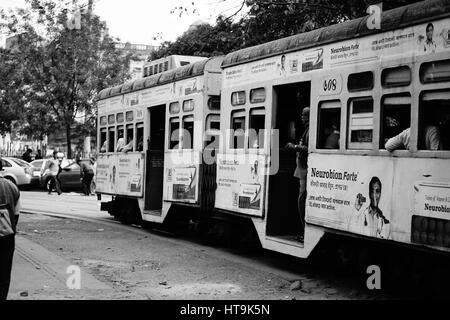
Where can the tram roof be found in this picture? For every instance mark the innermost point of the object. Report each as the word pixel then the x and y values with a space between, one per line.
pixel 393 19
pixel 188 71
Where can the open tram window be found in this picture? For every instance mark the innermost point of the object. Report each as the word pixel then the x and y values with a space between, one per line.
pixel 257 126
pixel 329 125
pixel 360 127
pixel 129 138
pixel 188 132
pixel 434 121
pixel 395 117
pixel 174 133
pixel 360 81
pixel 238 129
pixel 140 137
pixel 120 139
pixel 111 139
pixel 103 140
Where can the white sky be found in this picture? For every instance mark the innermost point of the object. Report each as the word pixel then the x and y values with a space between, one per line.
pixel 139 21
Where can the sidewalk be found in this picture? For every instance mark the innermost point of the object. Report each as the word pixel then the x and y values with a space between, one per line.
pixel 39 274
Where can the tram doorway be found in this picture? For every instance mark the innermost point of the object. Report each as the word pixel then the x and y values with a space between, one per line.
pixel 155 159
pixel 283 217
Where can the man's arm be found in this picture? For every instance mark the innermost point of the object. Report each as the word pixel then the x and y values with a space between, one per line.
pixel 396 142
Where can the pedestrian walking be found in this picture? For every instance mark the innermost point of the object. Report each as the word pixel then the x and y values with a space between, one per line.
pixel 86 175
pixel 9 216
pixel 55 170
pixel 27 156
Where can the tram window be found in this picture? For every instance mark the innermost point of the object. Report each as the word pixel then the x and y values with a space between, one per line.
pixel 212 127
pixel 360 123
pixel 214 103
pixel 257 126
pixel 103 121
pixel 111 139
pixel 258 95
pixel 360 81
pixel 129 116
pixel 174 107
pixel 103 136
pixel 436 71
pixel 160 67
pixel 111 119
pixel 434 121
pixel 329 125
pixel 188 105
pixel 238 129
pixel 188 132
pixel 395 115
pixel 120 118
pixel 150 70
pixel 130 138
pixel 174 133
pixel 238 98
pixel 140 137
pixel 396 77
pixel 166 65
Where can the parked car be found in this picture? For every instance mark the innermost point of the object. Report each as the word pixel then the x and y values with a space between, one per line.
pixel 18 171
pixel 69 177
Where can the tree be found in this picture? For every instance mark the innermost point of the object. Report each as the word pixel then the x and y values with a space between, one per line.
pixel 11 91
pixel 64 65
pixel 266 21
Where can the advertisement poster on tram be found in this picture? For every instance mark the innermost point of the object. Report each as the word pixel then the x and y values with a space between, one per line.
pixel 120 174
pixel 240 184
pixel 351 197
pixel 181 184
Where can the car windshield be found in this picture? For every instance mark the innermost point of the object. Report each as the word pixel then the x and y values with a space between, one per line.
pixel 21 163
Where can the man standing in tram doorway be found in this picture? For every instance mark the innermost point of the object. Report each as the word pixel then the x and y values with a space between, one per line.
pixel 302 168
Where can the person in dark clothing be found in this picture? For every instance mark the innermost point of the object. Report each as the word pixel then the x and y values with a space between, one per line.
pixel 87 174
pixel 38 155
pixel 9 195
pixel 302 168
pixel 27 156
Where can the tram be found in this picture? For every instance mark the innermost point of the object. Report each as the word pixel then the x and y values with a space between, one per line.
pixel 154 131
pixel 364 87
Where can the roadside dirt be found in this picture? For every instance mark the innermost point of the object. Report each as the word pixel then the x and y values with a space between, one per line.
pixel 139 266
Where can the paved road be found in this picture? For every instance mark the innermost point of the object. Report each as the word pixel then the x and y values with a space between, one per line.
pixel 136 263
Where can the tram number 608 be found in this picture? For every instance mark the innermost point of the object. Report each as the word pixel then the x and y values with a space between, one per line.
pixel 330 85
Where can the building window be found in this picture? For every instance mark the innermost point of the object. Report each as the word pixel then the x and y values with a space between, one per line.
pixel 395 117
pixel 238 129
pixel 436 71
pixel 360 81
pixel 238 98
pixel 174 133
pixel 434 121
pixel 396 77
pixel 188 132
pixel 329 125
pixel 360 128
pixel 257 126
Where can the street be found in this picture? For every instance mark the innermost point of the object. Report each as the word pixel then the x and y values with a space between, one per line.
pixel 127 262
